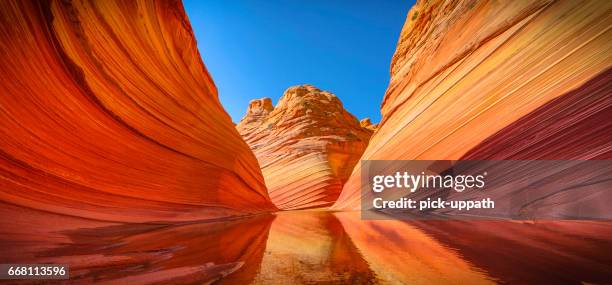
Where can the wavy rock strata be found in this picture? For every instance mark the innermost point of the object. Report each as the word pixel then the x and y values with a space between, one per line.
pixel 497 80
pixel 107 112
pixel 306 146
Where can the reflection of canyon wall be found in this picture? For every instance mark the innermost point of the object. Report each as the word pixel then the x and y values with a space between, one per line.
pixel 311 247
pixel 107 112
pixel 307 145
pixel 543 252
pixel 497 79
pixel 194 253
pixel 397 251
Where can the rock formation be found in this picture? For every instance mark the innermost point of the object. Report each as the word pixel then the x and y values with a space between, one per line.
pixel 496 80
pixel 367 123
pixel 107 112
pixel 306 146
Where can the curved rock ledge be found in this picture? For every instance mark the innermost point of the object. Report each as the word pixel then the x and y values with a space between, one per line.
pixel 107 112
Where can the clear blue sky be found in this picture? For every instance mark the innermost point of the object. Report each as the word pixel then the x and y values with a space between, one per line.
pixel 256 49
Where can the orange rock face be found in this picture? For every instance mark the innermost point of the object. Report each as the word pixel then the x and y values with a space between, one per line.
pixel 306 146
pixel 367 123
pixel 467 74
pixel 108 113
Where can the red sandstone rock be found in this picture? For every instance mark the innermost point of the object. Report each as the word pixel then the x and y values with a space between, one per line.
pixel 465 72
pixel 306 146
pixel 107 112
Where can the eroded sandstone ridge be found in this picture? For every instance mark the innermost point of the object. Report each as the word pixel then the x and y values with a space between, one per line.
pixel 497 80
pixel 367 123
pixel 107 112
pixel 306 146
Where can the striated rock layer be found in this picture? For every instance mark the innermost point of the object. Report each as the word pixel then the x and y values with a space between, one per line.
pixel 108 113
pixel 306 146
pixel 497 80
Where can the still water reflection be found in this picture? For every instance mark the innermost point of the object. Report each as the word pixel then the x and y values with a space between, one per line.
pixel 313 247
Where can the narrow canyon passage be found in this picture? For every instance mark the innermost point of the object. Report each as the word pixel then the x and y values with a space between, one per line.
pixel 118 159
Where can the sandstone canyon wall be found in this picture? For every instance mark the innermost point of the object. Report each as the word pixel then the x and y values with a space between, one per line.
pixel 497 80
pixel 107 112
pixel 306 146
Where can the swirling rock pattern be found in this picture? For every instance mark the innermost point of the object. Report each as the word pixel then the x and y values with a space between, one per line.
pixel 479 79
pixel 306 146
pixel 107 112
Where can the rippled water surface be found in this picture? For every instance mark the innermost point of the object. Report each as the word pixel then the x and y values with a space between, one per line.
pixel 313 247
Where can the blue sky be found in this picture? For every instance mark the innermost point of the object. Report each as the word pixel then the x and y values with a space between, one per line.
pixel 256 49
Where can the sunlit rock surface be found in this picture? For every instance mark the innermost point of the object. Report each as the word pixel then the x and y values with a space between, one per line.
pixel 496 80
pixel 306 146
pixel 367 123
pixel 107 112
